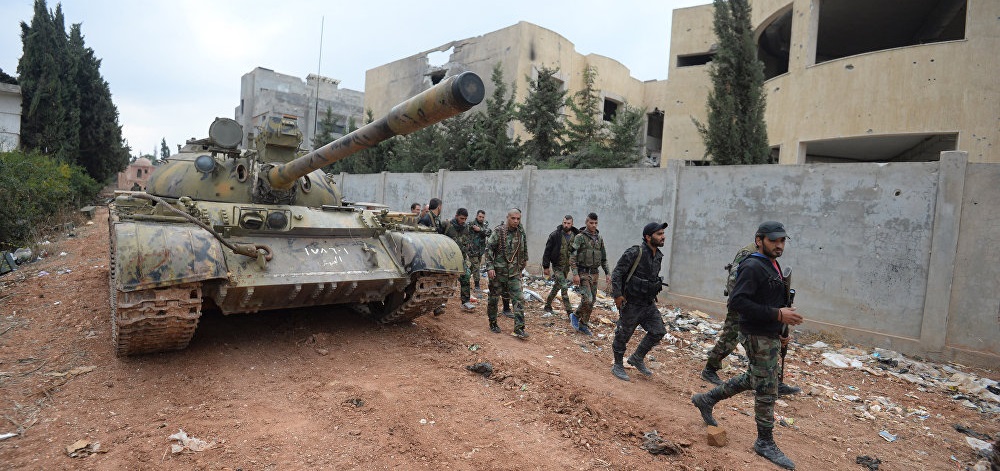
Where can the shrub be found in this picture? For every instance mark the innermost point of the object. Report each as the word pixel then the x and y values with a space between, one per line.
pixel 34 188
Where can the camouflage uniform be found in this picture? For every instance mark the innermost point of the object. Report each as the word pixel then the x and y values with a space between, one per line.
pixel 588 256
pixel 730 328
pixel 477 249
pixel 761 376
pixel 462 236
pixel 506 255
pixel 560 267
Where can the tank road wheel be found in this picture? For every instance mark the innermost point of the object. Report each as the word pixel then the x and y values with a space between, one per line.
pixel 425 292
pixel 155 320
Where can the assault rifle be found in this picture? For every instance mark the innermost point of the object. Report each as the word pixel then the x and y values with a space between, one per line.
pixel 789 299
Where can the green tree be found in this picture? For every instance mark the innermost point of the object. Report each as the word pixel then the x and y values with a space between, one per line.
pixel 101 148
pixel 4 78
pixel 586 128
pixel 50 120
pixel 540 115
pixel 494 148
pixel 419 151
pixel 164 149
pixel 461 134
pixel 735 132
pixel 325 130
pixel 625 141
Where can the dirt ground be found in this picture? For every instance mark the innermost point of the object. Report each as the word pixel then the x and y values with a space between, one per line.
pixel 326 389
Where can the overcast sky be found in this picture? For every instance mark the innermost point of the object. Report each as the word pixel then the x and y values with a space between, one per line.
pixel 173 66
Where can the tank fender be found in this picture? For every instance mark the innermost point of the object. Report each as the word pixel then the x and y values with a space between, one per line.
pixel 428 252
pixel 154 255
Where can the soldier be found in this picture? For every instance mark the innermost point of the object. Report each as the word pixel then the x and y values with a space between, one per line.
pixel 432 218
pixel 730 330
pixel 634 284
pixel 589 255
pixel 415 208
pixel 758 297
pixel 460 233
pixel 480 232
pixel 506 256
pixel 557 253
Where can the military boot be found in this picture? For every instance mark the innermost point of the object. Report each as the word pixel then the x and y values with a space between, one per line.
pixel 618 369
pixel 705 403
pixel 786 390
pixel 765 446
pixel 710 375
pixel 640 365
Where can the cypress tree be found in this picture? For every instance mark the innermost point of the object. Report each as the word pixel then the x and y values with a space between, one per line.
pixel 49 121
pixel 735 132
pixel 101 150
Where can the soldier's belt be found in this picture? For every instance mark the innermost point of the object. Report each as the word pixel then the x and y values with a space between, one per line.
pixel 588 269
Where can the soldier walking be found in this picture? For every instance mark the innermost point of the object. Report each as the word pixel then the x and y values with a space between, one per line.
pixel 480 232
pixel 506 256
pixel 634 284
pixel 459 231
pixel 589 255
pixel 558 249
pixel 758 297
pixel 731 330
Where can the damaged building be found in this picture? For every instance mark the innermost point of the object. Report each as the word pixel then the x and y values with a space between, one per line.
pixel 265 92
pixel 846 80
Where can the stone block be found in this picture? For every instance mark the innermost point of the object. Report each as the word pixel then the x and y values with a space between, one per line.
pixel 717 436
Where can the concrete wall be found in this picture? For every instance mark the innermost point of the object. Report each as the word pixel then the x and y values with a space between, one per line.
pixel 903 256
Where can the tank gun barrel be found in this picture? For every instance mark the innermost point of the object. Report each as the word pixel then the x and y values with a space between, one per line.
pixel 452 96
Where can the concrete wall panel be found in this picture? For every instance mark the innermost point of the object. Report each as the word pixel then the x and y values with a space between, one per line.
pixel 975 301
pixel 862 241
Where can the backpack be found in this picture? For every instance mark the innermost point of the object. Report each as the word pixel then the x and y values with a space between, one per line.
pixel 734 267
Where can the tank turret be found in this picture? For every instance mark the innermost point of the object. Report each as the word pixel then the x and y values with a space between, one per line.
pixel 265 229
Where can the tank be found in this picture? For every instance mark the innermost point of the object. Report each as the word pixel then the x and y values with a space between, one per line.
pixel 248 230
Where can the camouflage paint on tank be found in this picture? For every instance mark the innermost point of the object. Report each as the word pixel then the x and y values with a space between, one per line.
pixel 155 255
pixel 258 229
pixel 178 177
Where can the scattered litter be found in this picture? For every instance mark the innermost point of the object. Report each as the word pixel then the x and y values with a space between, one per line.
pixel 474 347
pixel 869 462
pixel 818 345
pixel 43 273
pixel 887 436
pixel 978 445
pixel 57 303
pixel 484 368
pixel 63 254
pixel 531 295
pixel 972 433
pixel 4 436
pixel 654 444
pixel 188 443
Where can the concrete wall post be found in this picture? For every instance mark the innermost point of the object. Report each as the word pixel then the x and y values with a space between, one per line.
pixel 944 245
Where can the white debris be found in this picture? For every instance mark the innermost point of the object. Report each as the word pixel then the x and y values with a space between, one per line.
pixel 187 442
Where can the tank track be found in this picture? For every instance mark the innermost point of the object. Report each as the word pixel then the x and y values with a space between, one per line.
pixel 430 291
pixel 151 320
